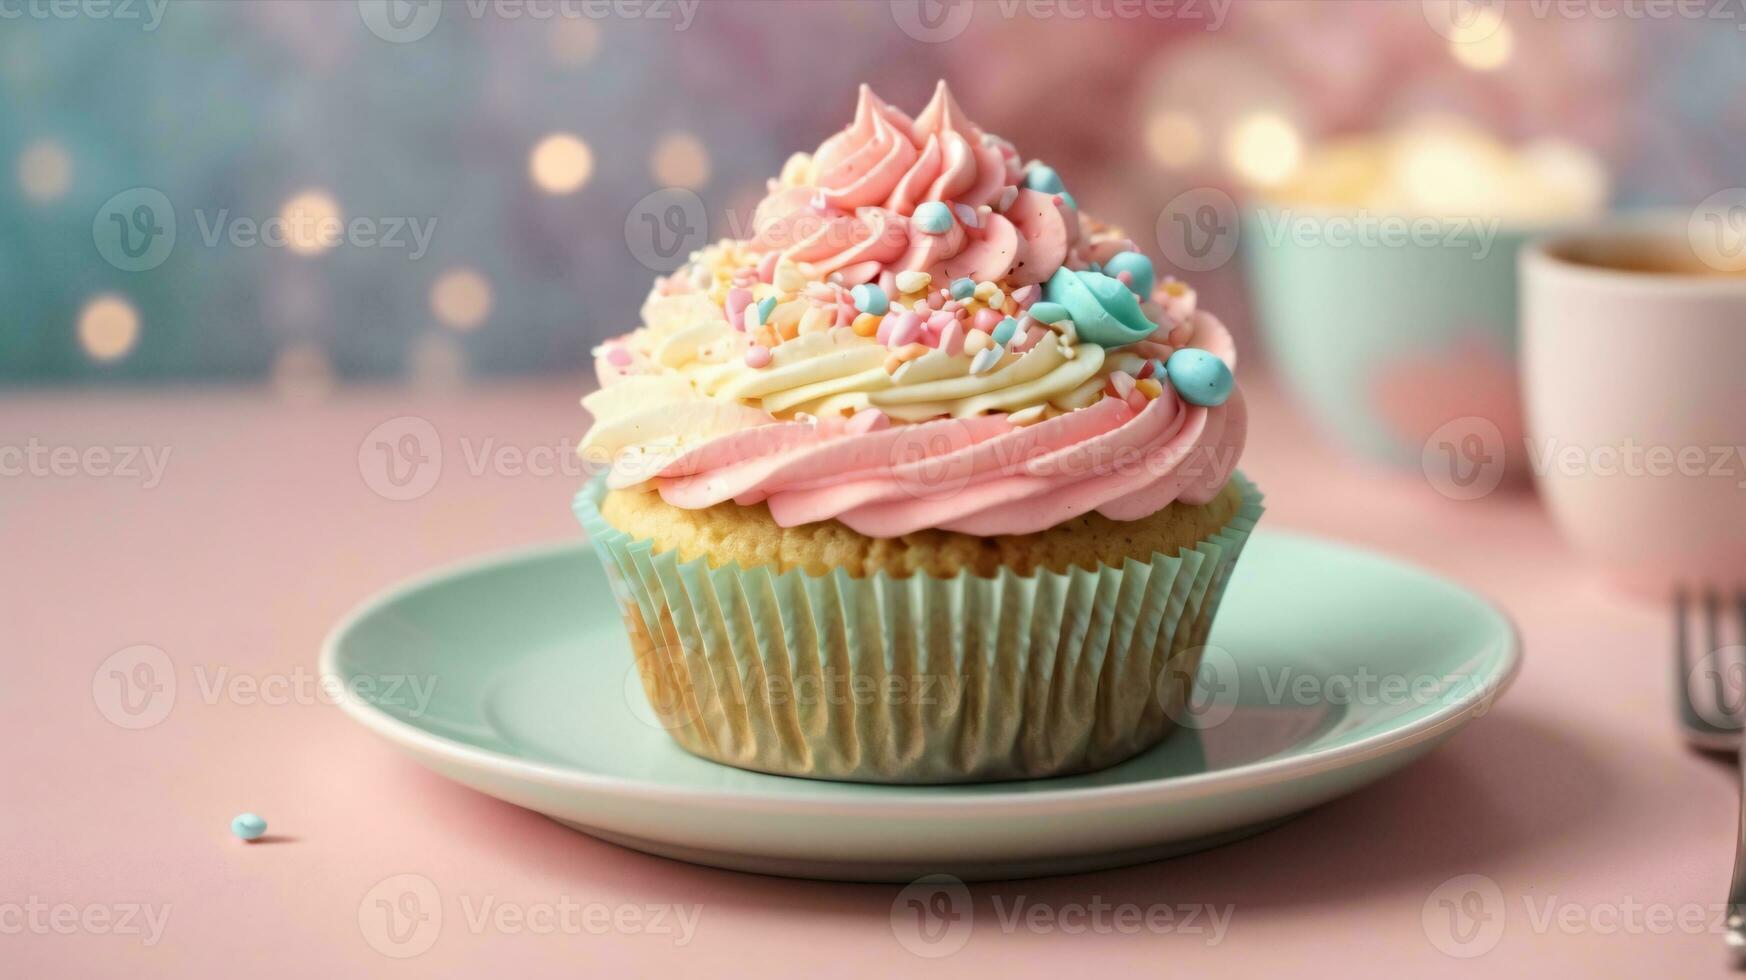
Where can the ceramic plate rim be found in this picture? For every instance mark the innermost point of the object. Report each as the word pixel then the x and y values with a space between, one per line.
pixel 895 799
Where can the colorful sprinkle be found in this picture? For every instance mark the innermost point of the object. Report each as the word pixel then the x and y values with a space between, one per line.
pixel 737 300
pixel 967 215
pixel 1004 330
pixel 963 288
pixel 767 267
pixel 766 306
pixel 1043 179
pixel 1134 270
pixel 1046 312
pixel 866 325
pixel 1200 377
pixel 1024 296
pixel 986 320
pixel 1007 196
pixel 1149 387
pixel 1119 383
pixel 1028 416
pixel 985 359
pixel 952 337
pixel 911 281
pixel 618 357
pixel 758 356
pixel 933 218
pixel 905 331
pixel 869 298
pixel 248 826
pixel 1069 200
pixel 868 420
pixel 977 341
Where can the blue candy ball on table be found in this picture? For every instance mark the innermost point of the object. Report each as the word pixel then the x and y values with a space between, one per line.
pixel 248 826
pixel 1199 377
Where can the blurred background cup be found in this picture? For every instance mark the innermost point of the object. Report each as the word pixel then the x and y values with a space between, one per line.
pixel 1384 278
pixel 1634 359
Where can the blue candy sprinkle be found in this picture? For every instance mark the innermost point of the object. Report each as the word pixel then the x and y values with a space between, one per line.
pixel 1004 330
pixel 986 358
pixel 1069 200
pixel 1044 179
pixel 248 826
pixel 1047 312
pixel 933 218
pixel 869 298
pixel 1138 268
pixel 1199 377
pixel 963 288
pixel 765 307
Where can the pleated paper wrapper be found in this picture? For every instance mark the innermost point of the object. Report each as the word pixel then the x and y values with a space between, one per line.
pixel 922 679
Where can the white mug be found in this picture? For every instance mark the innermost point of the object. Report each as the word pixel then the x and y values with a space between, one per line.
pixel 1634 375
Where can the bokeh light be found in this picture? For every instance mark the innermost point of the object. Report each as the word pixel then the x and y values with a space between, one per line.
pixel 108 328
pixel 680 160
pixel 1175 139
pixel 1263 148
pixel 1486 51
pixel 461 299
pixel 45 171
pixel 574 42
pixel 313 222
pixel 561 163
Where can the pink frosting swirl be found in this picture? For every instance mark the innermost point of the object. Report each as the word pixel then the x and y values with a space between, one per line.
pixel 980 475
pixel 853 219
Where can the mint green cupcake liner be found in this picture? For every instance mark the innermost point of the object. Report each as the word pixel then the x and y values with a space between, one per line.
pixel 924 679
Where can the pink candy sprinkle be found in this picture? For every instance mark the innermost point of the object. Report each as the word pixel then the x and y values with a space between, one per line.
pixel 952 337
pixel 1121 384
pixel 767 268
pixel 987 319
pixel 737 301
pixel 1137 400
pixel 868 420
pixel 618 357
pixel 758 356
pixel 1024 296
pixel 907 330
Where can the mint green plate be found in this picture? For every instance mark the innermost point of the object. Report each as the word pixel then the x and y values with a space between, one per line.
pixel 1328 668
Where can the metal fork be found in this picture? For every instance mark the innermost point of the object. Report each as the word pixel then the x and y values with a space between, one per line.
pixel 1711 679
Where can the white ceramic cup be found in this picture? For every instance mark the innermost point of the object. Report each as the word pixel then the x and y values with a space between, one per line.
pixel 1634 375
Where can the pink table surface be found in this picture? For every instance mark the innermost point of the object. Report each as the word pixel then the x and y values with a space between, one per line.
pixel 1608 842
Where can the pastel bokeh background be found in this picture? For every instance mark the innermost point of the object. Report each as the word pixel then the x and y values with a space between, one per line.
pixel 492 163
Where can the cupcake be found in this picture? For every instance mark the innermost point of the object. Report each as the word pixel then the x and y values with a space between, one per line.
pixel 931 479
